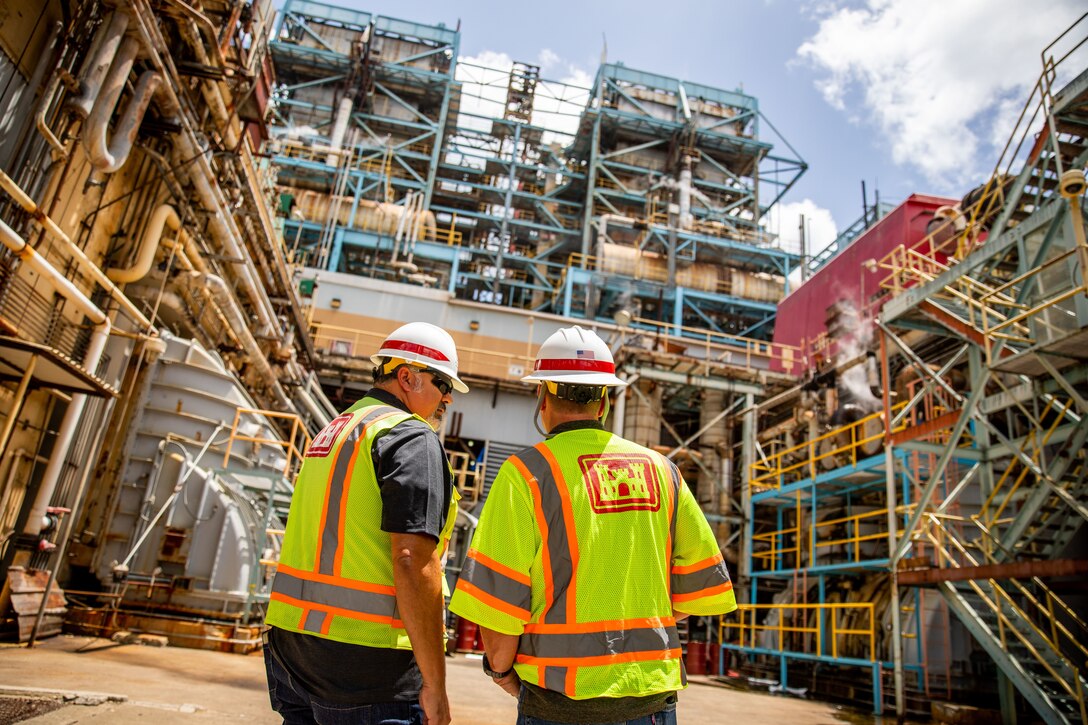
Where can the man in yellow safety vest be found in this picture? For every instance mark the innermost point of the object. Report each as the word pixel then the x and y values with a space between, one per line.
pixel 588 550
pixel 356 630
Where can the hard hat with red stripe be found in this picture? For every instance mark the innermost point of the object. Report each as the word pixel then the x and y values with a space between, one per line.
pixel 575 356
pixel 423 345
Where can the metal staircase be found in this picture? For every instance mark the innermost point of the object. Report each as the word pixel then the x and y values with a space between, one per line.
pixel 1018 646
pixel 1031 634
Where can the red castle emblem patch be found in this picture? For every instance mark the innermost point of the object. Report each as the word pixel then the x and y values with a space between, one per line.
pixel 620 482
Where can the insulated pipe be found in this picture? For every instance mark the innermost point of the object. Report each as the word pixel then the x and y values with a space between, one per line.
pixel 223 298
pixel 340 127
pixel 226 233
pixel 96 273
pixel 94 70
pixel 211 90
pixel 164 216
pixel 109 156
pixel 91 359
pixel 685 194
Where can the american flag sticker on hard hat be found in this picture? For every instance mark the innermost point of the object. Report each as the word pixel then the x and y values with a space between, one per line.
pixel 585 354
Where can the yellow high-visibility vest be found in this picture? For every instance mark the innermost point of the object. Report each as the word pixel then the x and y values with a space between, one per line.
pixel 586 545
pixel 335 574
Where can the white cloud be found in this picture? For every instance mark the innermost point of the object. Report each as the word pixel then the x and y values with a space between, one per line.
pixel 943 81
pixel 820 228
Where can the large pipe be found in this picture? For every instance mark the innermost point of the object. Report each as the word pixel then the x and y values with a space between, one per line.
pixel 94 69
pixel 164 216
pixel 211 90
pixel 686 218
pixel 96 273
pixel 340 127
pixel 91 358
pixel 109 155
pixel 223 298
pixel 226 233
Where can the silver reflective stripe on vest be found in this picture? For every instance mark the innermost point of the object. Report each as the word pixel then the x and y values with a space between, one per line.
pixel 315 620
pixel 674 479
pixel 598 644
pixel 352 600
pixel 558 542
pixel 697 581
pixel 555 678
pixel 330 535
pixel 497 584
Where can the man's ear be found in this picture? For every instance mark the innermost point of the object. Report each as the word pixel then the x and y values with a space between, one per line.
pixel 600 407
pixel 404 378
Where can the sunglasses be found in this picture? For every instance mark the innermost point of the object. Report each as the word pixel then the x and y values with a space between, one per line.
pixel 439 381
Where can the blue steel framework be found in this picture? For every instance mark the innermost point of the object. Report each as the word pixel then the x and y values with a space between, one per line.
pixel 680 167
pixel 982 461
pixel 820 512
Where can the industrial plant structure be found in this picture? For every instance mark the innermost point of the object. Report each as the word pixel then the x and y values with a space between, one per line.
pixel 213 213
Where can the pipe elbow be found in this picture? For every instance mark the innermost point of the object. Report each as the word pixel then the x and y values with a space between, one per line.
pixel 109 156
pixel 164 216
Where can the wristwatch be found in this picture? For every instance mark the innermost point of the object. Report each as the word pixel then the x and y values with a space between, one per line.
pixel 495 675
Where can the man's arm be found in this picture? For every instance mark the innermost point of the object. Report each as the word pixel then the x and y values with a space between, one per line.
pixel 501 650
pixel 417 575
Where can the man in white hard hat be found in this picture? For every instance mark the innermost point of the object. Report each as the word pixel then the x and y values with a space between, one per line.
pixel 588 550
pixel 356 622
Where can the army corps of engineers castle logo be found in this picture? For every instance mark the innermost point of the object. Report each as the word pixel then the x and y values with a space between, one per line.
pixel 620 482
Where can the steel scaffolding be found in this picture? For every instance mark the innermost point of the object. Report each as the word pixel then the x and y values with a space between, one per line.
pixel 968 482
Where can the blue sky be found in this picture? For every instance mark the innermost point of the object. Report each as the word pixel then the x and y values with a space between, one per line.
pixel 907 95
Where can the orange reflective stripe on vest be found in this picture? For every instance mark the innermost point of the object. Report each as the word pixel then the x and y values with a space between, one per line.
pixel 327 584
pixel 359 600
pixel 329 546
pixel 498 585
pixel 558 644
pixel 560 549
pixel 598 642
pixel 700 579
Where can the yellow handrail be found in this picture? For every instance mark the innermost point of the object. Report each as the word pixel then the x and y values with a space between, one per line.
pixel 746 626
pixel 955 552
pixel 294 444
pixel 776 470
pixel 361 343
pixel 1031 447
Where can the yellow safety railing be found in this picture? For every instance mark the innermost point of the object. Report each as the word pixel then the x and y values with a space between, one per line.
pixel 769 546
pixel 836 448
pixel 294 444
pixel 717 347
pixel 1033 142
pixel 744 627
pixel 1023 607
pixel 1008 484
pixel 854 537
pixel 353 342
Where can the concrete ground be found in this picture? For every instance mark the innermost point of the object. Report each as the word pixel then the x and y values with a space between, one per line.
pixel 105 682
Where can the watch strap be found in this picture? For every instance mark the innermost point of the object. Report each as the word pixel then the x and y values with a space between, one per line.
pixel 492 673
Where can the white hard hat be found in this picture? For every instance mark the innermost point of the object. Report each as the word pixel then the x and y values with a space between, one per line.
pixel 423 344
pixel 577 357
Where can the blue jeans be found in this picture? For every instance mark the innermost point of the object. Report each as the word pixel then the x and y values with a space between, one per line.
pixel 298 707
pixel 661 717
